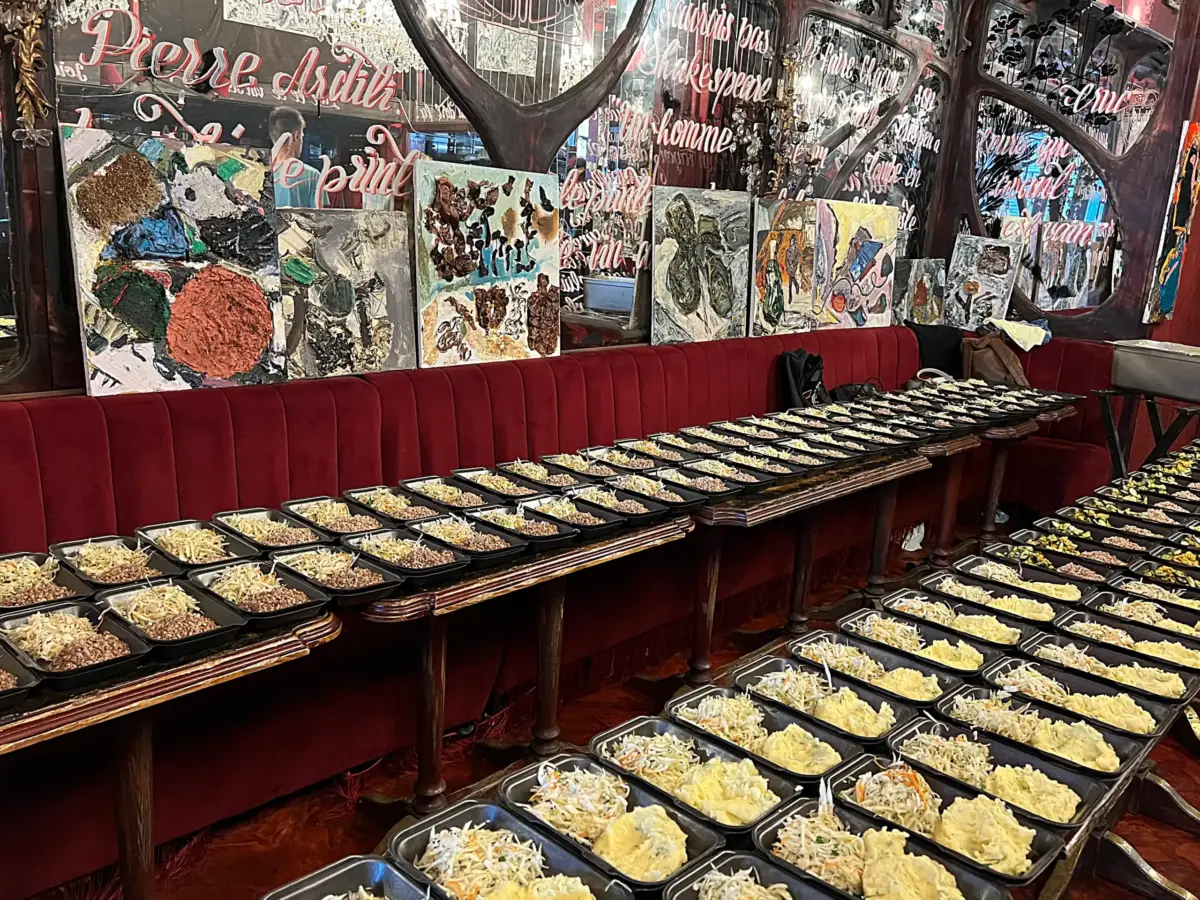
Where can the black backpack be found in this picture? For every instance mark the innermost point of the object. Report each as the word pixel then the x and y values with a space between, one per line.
pixel 801 379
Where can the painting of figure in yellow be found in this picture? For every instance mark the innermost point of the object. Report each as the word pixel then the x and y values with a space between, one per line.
pixel 487 245
pixel 782 296
pixel 854 264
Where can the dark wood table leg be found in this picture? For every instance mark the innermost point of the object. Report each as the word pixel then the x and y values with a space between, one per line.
pixel 430 789
pixel 940 558
pixel 802 564
pixel 551 600
pixel 708 572
pixel 885 515
pixel 995 483
pixel 134 769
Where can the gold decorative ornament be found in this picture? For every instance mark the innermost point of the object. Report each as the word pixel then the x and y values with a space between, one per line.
pixel 21 21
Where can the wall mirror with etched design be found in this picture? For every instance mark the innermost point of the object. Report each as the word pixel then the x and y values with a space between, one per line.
pixel 11 340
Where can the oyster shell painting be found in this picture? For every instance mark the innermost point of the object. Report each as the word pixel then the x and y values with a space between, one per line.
pixel 701 265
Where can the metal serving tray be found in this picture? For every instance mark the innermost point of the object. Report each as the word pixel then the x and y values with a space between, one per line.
pixel 630 445
pixel 696 446
pixel 235 547
pixel 1162 713
pixel 1112 657
pixel 642 462
pixel 408 844
pixel 774 718
pixel 702 842
pixel 931 583
pixel 1090 790
pixel 1024 629
pixel 888 657
pixel 972 885
pixel 706 748
pixel 1120 524
pixel 1129 750
pixel 749 675
pixel 378 875
pixel 1157 367
pixel 929 633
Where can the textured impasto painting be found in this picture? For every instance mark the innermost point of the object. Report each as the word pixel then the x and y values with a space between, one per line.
pixel 487 245
pixel 346 279
pixel 923 293
pixel 854 264
pixel 175 261
pixel 701 263
pixel 980 280
pixel 783 293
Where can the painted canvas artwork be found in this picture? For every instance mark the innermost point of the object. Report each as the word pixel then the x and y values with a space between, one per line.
pixel 924 291
pixel 781 298
pixel 487 245
pixel 175 262
pixel 701 265
pixel 980 280
pixel 346 279
pixel 1185 191
pixel 854 264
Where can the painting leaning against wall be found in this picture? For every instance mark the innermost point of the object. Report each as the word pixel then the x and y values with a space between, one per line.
pixel 979 283
pixel 925 291
pixel 781 298
pixel 346 279
pixel 175 262
pixel 701 260
pixel 487 264
pixel 854 264
pixel 1185 190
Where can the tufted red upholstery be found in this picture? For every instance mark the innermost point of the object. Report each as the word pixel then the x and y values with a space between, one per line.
pixel 78 466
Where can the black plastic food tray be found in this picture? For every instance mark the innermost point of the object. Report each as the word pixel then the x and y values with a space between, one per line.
pixel 758 465
pixel 999 551
pixel 435 509
pixel 1159 554
pixel 537 482
pixel 346 596
pixel 1024 628
pixel 1135 512
pixel 690 499
pixel 761 481
pixel 292 508
pixel 731 862
pixel 970 564
pixel 486 498
pixel 706 748
pixel 684 455
pixel 1136 630
pixel 889 657
pixel 1128 750
pixel 1090 790
pixel 722 440
pixel 65 553
pixel 710 496
pixel 1046 845
pixel 1143 569
pixel 480 559
pixel 229 622
pixel 702 842
pixel 412 577
pixel 1119 524
pixel 1109 492
pixel 409 844
pixel 236 547
pixel 273 515
pixel 1163 714
pixel 1178 613
pixel 772 422
pixel 581 477
pixel 75 678
pixel 931 582
pixel 374 873
pixel 654 510
pixel 696 446
pixel 27 679
pixel 317 598
pixel 613 521
pixel 537 543
pixel 1110 656
pixel 64 577
pixel 1098 534
pixel 747 676
pixel 775 718
pixel 929 633
pixel 645 462
pixel 764 435
pixel 465 476
pixel 1027 535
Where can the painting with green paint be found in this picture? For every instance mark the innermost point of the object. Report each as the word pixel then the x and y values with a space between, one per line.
pixel 347 291
pixel 176 265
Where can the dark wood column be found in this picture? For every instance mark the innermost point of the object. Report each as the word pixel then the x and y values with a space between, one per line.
pixel 551 601
pixel 134 797
pixel 948 517
pixel 802 564
pixel 885 516
pixel 430 790
pixel 708 571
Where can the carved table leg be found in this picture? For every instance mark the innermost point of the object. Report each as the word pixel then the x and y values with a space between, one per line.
pixel 885 515
pixel 551 600
pixel 1118 862
pixel 708 572
pixel 802 564
pixel 940 558
pixel 134 765
pixel 1186 730
pixel 1156 798
pixel 430 789
pixel 995 483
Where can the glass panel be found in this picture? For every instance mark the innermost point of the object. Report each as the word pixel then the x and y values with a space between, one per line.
pixel 839 83
pixel 8 310
pixel 1036 189
pixel 929 19
pixel 900 170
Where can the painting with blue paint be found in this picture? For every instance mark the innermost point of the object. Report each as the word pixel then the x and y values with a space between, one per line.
pixel 487 263
pixel 176 265
pixel 854 264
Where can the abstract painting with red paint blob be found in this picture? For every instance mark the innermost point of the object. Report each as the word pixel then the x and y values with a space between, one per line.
pixel 487 263
pixel 176 265
pixel 854 264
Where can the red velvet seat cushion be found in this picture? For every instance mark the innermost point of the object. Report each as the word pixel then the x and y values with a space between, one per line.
pixel 1046 473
